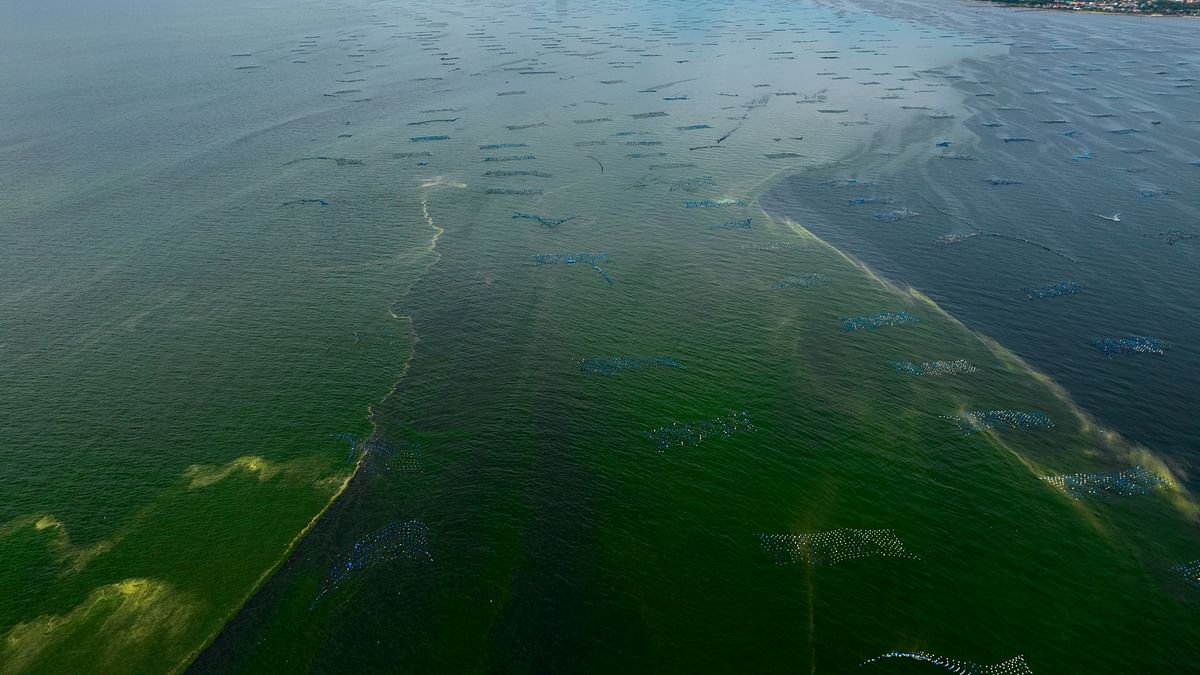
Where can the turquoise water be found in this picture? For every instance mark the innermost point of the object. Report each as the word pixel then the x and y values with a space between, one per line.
pixel 253 229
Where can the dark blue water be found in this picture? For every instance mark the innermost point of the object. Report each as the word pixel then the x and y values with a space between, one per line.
pixel 1072 180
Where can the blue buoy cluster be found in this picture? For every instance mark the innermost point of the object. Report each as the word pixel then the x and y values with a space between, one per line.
pixel 984 420
pixel 1013 666
pixel 569 258
pixel 340 161
pixel 515 191
pixel 1190 571
pixel 502 146
pixel 572 258
pixel 510 158
pixel 692 184
pixel 405 459
pixel 376 454
pixel 613 365
pixel 349 438
pixel 957 367
pixel 743 224
pixel 551 222
pixel 1051 291
pixel 859 201
pixel 397 540
pixel 1121 483
pixel 773 246
pixel 954 238
pixel 712 203
pixel 604 275
pixel 880 320
pixel 834 546
pixel 1172 237
pixel 1003 181
pixel 383 457
pixel 1136 344
pixel 426 139
pixel 894 216
pixel 849 182
pixel 1156 192
pixel 501 173
pixel 678 434
pixel 805 281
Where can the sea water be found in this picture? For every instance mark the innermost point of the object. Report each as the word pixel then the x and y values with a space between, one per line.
pixel 184 352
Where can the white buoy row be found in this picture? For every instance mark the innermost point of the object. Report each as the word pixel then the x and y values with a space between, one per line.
pixel 880 320
pixel 976 421
pixel 398 539
pixel 678 434
pixel 1122 483
pixel 956 367
pixel 1190 571
pixel 834 546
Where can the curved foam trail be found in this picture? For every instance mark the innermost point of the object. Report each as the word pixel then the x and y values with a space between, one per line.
pixel 981 233
pixel 1031 243
pixel 441 181
pixel 1013 666
pixel 438 231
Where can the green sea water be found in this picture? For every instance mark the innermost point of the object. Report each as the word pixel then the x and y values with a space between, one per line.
pixel 196 313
